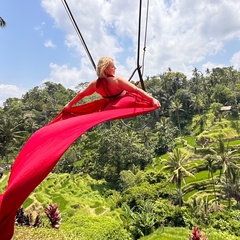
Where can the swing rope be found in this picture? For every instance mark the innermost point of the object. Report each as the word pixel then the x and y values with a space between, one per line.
pixel 138 58
pixel 78 32
pixel 139 44
pixel 145 37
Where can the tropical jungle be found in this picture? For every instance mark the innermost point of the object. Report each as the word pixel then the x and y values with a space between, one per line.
pixel 170 174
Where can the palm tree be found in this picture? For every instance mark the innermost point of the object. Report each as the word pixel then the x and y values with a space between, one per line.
pixel 176 164
pixel 227 159
pixel 197 103
pixel 2 22
pixel 211 160
pixel 231 187
pixel 166 132
pixel 229 167
pixel 176 107
pixel 166 99
pixel 196 80
pixel 9 134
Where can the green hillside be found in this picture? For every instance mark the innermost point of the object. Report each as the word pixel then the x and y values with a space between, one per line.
pixel 87 212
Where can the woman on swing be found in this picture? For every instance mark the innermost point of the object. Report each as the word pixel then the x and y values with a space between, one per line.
pixel 111 87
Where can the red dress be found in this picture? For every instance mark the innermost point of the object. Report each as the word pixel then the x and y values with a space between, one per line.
pixel 44 148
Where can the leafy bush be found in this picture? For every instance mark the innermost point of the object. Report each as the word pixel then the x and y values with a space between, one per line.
pixel 23 219
pixel 140 221
pixel 226 221
pixel 138 194
pixel 87 226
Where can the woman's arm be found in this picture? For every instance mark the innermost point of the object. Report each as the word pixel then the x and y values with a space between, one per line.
pixel 89 90
pixel 129 87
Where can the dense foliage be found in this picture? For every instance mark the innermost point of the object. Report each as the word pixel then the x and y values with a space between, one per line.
pixel 181 170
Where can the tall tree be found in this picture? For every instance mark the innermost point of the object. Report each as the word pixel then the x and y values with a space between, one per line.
pixel 9 135
pixel 195 81
pixel 176 108
pixel 197 103
pixel 228 161
pixel 223 94
pixel 166 132
pixel 176 164
pixel 227 158
pixel 211 161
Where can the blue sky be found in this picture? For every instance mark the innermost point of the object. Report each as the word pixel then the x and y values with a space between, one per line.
pixel 40 44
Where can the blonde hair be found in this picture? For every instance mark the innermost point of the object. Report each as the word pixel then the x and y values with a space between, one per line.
pixel 103 63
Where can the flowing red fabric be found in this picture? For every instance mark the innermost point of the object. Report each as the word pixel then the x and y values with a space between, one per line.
pixel 44 148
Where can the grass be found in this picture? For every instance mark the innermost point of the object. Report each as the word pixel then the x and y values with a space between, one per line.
pixel 234 142
pixel 198 177
pixel 85 214
pixel 203 175
pixel 196 163
pixel 183 234
pixel 190 140
pixel 189 194
pixel 166 233
pixel 26 233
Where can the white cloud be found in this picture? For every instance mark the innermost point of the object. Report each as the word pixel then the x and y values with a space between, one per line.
pixel 210 65
pixel 49 44
pixel 10 91
pixel 69 77
pixel 40 28
pixel 181 33
pixel 235 60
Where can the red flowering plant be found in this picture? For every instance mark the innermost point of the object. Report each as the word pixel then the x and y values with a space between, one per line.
pixel 53 214
pixel 196 235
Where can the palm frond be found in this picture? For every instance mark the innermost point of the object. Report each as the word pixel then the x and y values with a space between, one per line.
pixel 2 22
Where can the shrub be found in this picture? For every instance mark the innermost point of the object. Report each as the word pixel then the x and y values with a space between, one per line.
pixel 23 219
pixel 226 221
pixel 53 214
pixel 87 226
